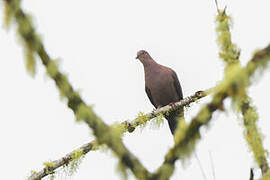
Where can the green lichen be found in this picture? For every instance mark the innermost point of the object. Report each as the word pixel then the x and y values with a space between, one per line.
pixel 252 134
pixel 49 167
pixel 77 157
pixel 73 165
pixel 85 113
pixel 103 133
pixel 122 169
pixel 204 114
pixel 101 147
pixel 180 132
pixel 61 80
pixel 234 86
pixel 33 172
pixel 52 177
pixel 259 62
pixel 266 176
pixel 118 129
pixel 11 7
pixel 141 120
pixel 95 146
pixel 229 52
pixel 167 113
pixel 82 112
pixel 157 121
pixel 165 172
pixel 7 15
pixel 184 151
pixel 64 86
pixel 25 31
pixel 30 62
pixel 52 69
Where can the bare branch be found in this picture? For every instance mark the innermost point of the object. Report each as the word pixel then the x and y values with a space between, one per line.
pixel 200 166
pixel 212 165
pixel 251 176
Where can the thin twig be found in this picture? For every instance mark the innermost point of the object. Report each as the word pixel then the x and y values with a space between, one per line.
pixel 212 165
pixel 251 176
pixel 200 165
pixel 217 5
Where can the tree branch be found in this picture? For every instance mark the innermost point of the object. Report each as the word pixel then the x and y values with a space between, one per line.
pixel 234 83
pixel 103 133
pixel 186 137
pixel 266 176
pixel 129 127
pixel 252 134
pixel 61 162
pixel 230 53
pixel 144 118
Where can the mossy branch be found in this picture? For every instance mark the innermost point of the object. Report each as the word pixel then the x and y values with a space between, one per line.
pixel 234 85
pixel 61 162
pixel 266 176
pixel 127 126
pixel 252 133
pixel 187 136
pixel 229 52
pixel 103 133
pixel 142 119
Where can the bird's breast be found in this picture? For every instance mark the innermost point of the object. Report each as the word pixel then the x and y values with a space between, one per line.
pixel 162 89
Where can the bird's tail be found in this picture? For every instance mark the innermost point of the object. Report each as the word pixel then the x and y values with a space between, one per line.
pixel 173 117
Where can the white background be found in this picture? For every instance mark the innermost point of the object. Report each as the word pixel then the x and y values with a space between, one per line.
pixel 97 42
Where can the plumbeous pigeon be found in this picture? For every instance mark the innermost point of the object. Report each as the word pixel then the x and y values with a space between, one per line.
pixel 162 87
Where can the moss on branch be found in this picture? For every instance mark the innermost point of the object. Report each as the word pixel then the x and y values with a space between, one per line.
pixel 103 133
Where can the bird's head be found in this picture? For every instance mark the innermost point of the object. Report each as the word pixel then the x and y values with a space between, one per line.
pixel 142 55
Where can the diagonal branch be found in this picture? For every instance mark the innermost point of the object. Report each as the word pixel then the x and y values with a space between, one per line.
pixel 186 137
pixel 230 54
pixel 129 126
pixel 61 162
pixel 252 133
pixel 103 133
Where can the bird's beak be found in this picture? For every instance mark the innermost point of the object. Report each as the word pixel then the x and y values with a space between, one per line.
pixel 137 57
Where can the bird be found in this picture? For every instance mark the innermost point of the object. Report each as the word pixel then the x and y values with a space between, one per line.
pixel 162 87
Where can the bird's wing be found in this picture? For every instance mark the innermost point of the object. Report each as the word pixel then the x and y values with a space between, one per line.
pixel 148 92
pixel 177 85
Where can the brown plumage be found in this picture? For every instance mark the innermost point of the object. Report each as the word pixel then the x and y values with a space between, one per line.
pixel 161 86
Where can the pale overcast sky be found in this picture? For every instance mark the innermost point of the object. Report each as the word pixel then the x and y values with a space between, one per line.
pixel 97 41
